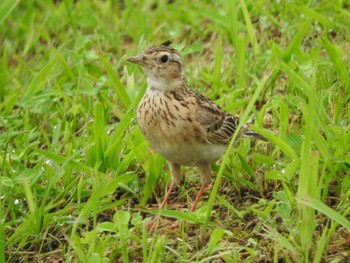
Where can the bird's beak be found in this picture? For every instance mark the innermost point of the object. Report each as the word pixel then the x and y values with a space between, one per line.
pixel 137 60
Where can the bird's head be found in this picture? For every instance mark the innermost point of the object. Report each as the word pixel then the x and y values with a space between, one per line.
pixel 162 65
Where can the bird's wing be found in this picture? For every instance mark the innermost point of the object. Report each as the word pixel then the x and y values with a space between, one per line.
pixel 219 124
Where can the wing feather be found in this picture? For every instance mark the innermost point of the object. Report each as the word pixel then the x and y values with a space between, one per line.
pixel 219 124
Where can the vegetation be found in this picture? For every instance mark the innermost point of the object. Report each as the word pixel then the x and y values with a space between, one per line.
pixel 79 182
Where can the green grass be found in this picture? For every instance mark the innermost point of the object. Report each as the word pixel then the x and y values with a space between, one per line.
pixel 78 180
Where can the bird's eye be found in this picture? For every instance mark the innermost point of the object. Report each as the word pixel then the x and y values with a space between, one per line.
pixel 164 59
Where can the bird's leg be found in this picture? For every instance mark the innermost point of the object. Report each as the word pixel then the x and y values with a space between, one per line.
pixel 166 197
pixel 198 197
pixel 176 177
pixel 205 173
pixel 153 223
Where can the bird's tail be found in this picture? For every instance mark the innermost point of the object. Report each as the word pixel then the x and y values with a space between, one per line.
pixel 254 135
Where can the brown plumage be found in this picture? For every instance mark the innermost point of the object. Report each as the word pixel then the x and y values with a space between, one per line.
pixel 184 127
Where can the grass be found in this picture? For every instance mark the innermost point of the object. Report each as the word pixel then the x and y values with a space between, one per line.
pixel 79 182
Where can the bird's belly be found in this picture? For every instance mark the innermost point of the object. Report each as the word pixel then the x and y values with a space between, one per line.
pixel 191 155
pixel 182 143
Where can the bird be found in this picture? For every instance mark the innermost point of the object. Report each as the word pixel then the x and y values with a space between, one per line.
pixel 185 127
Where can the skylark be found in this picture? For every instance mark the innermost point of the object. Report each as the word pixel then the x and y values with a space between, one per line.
pixel 185 127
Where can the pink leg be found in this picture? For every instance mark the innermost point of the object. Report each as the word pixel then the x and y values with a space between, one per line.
pixel 165 200
pixel 205 173
pixel 153 223
pixel 198 197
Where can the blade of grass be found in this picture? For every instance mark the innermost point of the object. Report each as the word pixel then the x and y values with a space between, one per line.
pixel 308 179
pixel 321 244
pixel 144 243
pixel 217 67
pixel 324 209
pixel 64 63
pixel 250 28
pixel 233 22
pixel 296 78
pixel 121 219
pixel 3 74
pixel 96 154
pixel 176 214
pixel 312 13
pixel 2 241
pixel 115 81
pixel 337 58
pixel 124 123
pixel 280 143
pixel 307 187
pixel 69 162
pixel 297 40
pixel 40 79
pixel 101 186
pixel 215 237
pixel 6 7
pixel 33 207
pixel 281 241
pixel 158 250
pixel 241 60
pixel 155 169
